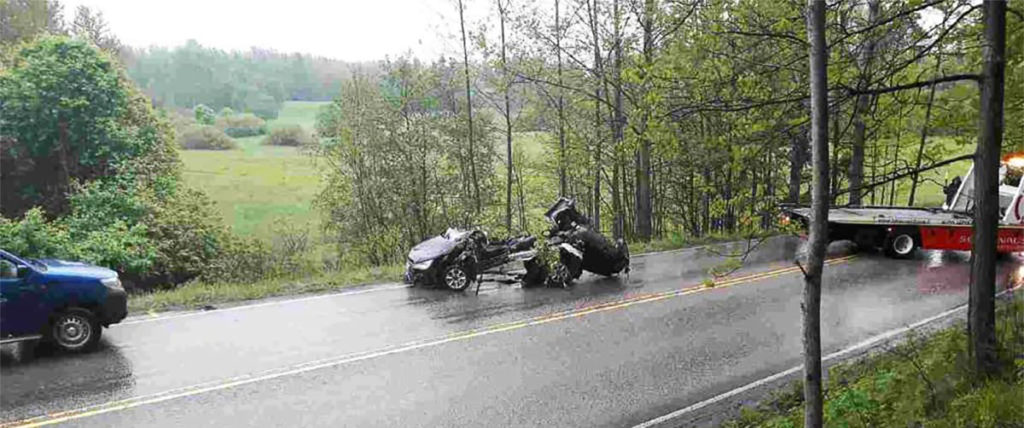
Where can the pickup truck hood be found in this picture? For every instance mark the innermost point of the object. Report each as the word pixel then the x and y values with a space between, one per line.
pixel 66 268
pixel 431 249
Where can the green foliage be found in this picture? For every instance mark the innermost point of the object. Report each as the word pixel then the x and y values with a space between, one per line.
pixel 400 164
pixel 205 137
pixel 119 203
pixel 240 126
pixel 204 115
pixel 291 135
pixel 62 102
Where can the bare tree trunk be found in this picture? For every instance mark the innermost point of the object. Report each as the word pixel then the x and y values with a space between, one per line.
pixel 819 214
pixel 796 164
pixel 924 134
pixel 561 105
pixel 644 198
pixel 618 124
pixel 599 79
pixel 469 107
pixel 863 100
pixel 981 312
pixel 508 125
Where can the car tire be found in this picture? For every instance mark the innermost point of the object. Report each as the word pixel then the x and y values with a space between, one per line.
pixel 456 278
pixel 900 245
pixel 74 330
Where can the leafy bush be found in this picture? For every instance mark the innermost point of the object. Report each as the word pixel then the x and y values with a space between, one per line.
pixel 240 260
pixel 204 115
pixel 244 125
pixel 292 135
pixel 117 244
pixel 66 105
pixel 205 137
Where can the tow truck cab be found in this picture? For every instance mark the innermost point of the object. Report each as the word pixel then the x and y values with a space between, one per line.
pixel 60 302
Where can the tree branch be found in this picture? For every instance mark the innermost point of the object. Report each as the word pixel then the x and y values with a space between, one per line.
pixel 870 186
pixel 915 85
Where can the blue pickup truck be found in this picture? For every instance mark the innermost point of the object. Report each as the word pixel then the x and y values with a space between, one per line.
pixel 59 302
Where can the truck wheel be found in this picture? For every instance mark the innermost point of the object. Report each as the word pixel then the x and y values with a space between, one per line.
pixel 456 278
pixel 900 245
pixel 75 330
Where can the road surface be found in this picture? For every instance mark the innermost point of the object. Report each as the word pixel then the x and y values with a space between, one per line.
pixel 609 352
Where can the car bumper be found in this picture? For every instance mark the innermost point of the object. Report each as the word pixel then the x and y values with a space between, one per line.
pixel 115 307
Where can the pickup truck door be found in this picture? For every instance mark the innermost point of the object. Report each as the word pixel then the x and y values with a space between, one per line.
pixel 21 305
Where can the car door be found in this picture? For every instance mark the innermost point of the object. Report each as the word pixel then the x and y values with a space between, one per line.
pixel 21 303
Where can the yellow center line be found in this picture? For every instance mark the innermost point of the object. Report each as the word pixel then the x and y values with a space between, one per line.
pixel 113 406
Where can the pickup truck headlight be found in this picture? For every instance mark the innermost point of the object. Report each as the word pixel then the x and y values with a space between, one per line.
pixel 114 282
pixel 422 265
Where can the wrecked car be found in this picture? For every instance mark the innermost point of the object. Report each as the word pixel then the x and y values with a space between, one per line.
pixel 578 247
pixel 456 258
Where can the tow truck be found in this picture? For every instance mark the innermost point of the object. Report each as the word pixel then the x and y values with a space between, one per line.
pixel 900 231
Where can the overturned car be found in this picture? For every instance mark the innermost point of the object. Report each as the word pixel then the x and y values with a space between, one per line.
pixel 577 248
pixel 457 258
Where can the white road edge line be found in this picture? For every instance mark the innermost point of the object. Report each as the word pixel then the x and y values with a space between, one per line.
pixel 144 319
pixel 858 347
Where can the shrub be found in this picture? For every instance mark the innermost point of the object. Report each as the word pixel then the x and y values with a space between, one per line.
pixel 204 114
pixel 292 135
pixel 205 137
pixel 243 125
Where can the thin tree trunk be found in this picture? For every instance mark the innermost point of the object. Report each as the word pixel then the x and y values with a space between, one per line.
pixel 561 105
pixel 599 82
pixel 618 123
pixel 924 134
pixel 644 198
pixel 819 214
pixel 981 312
pixel 796 162
pixel 508 125
pixel 469 107
pixel 863 101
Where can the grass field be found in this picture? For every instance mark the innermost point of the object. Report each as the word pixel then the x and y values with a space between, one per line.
pixel 257 187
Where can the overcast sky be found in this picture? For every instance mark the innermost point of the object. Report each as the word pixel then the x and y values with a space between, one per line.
pixel 351 30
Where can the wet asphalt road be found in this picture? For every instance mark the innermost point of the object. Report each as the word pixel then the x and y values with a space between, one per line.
pixel 608 352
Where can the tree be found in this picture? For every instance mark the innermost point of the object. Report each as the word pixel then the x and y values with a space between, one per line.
pixel 507 113
pixel 469 110
pixel 25 19
pixel 981 311
pixel 860 110
pixel 819 213
pixel 91 26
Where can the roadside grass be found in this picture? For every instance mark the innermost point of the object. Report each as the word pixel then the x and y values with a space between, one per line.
pixel 922 382
pixel 197 295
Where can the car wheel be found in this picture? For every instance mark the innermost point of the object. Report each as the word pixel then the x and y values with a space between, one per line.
pixel 562 277
pixel 456 278
pixel 900 245
pixel 75 330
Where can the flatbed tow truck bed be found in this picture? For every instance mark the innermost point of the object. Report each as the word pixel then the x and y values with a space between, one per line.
pixel 901 230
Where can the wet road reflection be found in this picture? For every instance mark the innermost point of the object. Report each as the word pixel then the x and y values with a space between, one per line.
pixel 748 328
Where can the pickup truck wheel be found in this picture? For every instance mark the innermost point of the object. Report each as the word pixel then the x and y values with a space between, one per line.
pixel 456 278
pixel 75 330
pixel 900 245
